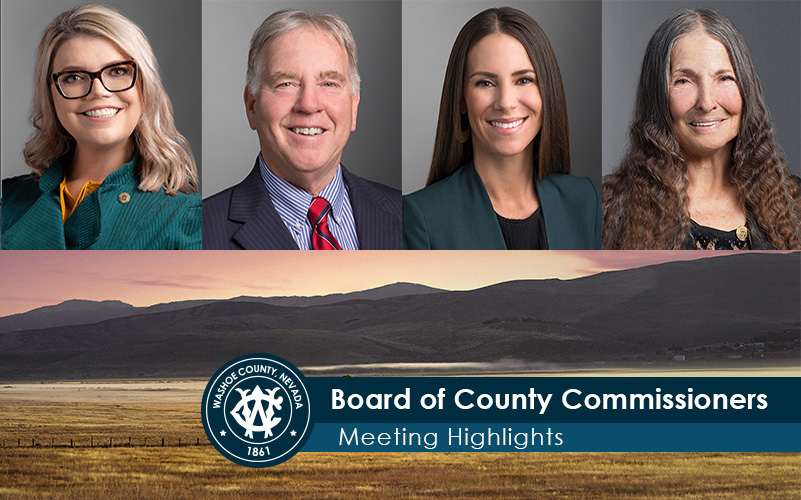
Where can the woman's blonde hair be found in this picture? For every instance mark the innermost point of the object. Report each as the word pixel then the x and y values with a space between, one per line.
pixel 165 158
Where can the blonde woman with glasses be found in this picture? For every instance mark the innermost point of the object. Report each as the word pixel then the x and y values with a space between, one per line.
pixel 109 168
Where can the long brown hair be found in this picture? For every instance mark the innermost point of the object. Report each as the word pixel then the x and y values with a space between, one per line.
pixel 552 144
pixel 645 200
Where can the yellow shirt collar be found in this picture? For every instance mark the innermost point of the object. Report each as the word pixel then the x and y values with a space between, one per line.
pixel 68 203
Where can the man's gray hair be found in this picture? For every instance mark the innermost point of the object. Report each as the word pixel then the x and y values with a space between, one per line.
pixel 288 20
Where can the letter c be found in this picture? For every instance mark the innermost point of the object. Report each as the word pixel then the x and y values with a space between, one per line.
pixel 459 404
pixel 568 405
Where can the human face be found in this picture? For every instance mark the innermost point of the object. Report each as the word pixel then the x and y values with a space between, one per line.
pixel 704 98
pixel 101 120
pixel 304 109
pixel 502 97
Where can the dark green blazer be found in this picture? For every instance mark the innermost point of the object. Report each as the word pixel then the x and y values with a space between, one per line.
pixel 117 216
pixel 456 214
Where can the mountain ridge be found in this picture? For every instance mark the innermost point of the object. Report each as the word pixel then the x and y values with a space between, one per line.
pixel 641 315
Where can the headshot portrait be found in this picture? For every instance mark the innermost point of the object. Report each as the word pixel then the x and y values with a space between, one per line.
pixel 93 156
pixel 297 120
pixel 703 152
pixel 510 160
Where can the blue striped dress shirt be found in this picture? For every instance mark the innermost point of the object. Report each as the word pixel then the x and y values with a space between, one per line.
pixel 292 204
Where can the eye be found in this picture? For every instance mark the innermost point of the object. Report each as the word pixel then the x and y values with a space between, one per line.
pixel 72 78
pixel 284 85
pixel 525 80
pixel 118 71
pixel 330 84
pixel 729 78
pixel 680 80
pixel 483 83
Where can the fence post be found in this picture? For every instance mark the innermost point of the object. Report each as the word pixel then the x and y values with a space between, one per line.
pixel 33 442
pixel 129 441
pixel 71 446
pixel 110 442
pixel 19 442
pixel 197 442
pixel 146 441
pixel 179 442
pixel 92 442
pixel 52 440
pixel 162 441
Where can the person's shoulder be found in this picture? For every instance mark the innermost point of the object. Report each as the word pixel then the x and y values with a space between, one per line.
pixel 248 194
pixel 356 182
pixel 215 216
pixel 21 184
pixel 379 195
pixel 178 215
pixel 569 181
pixel 218 199
pixel 440 191
pixel 19 194
pixel 573 186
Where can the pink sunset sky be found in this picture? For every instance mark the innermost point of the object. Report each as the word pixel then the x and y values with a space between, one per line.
pixel 30 279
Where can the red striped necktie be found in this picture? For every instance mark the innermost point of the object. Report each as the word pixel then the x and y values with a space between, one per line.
pixel 322 239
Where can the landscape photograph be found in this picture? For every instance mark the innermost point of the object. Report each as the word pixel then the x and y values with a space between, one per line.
pixel 104 358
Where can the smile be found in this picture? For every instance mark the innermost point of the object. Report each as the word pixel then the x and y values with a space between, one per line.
pixel 507 125
pixel 711 123
pixel 101 113
pixel 307 130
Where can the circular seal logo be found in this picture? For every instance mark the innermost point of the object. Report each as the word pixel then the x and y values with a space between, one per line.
pixel 256 410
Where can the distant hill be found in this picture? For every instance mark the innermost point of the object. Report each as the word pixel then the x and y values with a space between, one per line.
pixel 70 312
pixel 79 312
pixel 744 305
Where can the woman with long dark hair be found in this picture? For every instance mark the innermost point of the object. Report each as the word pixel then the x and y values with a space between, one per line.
pixel 499 177
pixel 702 170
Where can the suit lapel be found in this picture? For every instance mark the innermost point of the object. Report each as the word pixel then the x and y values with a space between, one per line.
pixel 374 225
pixel 553 211
pixel 262 227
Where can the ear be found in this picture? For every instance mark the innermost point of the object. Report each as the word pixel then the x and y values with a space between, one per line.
pixel 250 108
pixel 355 109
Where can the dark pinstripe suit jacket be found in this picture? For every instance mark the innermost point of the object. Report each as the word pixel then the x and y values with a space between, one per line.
pixel 243 216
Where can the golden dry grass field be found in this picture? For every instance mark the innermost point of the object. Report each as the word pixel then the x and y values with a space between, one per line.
pixel 57 412
pixel 199 473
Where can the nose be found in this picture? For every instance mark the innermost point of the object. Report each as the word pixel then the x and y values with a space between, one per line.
pixel 706 97
pixel 506 97
pixel 98 89
pixel 308 100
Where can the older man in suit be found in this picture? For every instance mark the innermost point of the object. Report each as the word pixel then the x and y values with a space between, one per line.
pixel 302 98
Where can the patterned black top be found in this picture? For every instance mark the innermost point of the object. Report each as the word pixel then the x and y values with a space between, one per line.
pixel 708 238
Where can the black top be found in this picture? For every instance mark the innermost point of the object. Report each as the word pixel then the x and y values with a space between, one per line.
pixel 524 234
pixel 709 238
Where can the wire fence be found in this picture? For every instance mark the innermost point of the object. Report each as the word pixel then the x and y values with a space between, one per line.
pixel 104 442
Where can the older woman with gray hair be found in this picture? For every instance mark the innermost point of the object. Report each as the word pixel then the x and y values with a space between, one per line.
pixel 702 170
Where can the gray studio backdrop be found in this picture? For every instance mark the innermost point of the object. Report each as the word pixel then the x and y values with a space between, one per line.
pixel 172 26
pixel 771 30
pixel 429 30
pixel 373 150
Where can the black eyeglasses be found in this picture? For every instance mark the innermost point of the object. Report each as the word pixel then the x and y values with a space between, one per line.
pixel 117 77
